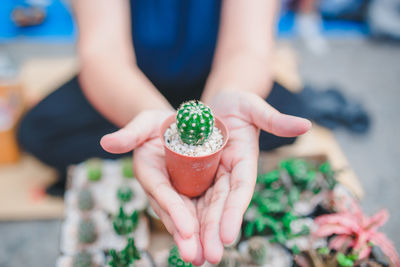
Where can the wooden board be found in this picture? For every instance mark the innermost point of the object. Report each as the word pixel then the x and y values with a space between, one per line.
pixel 22 194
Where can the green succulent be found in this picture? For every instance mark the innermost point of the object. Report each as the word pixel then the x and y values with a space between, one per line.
pixel 257 249
pixel 123 223
pixel 85 200
pixel 127 169
pixel 94 169
pixel 195 122
pixel 83 259
pixel 175 260
pixel 87 233
pixel 126 257
pixel 124 194
pixel 344 261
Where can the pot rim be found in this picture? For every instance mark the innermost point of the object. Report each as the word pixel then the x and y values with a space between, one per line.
pixel 172 118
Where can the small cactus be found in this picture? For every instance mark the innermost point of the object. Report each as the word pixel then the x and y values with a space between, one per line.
pixel 87 233
pixel 127 169
pixel 195 122
pixel 124 194
pixel 94 169
pixel 85 200
pixel 257 249
pixel 175 260
pixel 126 257
pixel 83 259
pixel 123 223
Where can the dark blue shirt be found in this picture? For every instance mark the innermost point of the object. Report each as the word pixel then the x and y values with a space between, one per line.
pixel 174 42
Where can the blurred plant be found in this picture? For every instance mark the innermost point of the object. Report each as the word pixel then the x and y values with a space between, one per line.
pixel 324 257
pixel 124 194
pixel 127 169
pixel 175 260
pixel 87 233
pixel 258 250
pixel 85 200
pixel 83 259
pixel 356 231
pixel 230 258
pixel 94 169
pixel 271 210
pixel 126 257
pixel 123 223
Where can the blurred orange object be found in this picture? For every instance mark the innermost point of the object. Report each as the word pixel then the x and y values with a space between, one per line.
pixel 10 110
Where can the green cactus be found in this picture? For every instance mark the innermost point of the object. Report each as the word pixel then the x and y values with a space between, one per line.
pixel 94 169
pixel 127 169
pixel 123 223
pixel 257 249
pixel 87 233
pixel 195 122
pixel 126 257
pixel 175 260
pixel 85 200
pixel 124 194
pixel 83 259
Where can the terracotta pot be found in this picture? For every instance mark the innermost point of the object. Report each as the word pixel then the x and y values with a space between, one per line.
pixel 192 176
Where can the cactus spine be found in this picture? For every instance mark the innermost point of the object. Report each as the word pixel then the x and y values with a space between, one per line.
pixel 83 259
pixel 85 200
pixel 195 122
pixel 257 249
pixel 87 233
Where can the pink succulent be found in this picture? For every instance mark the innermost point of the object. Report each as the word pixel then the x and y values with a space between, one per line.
pixel 355 230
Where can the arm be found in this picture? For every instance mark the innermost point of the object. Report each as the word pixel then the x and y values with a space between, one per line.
pixel 242 55
pixel 109 76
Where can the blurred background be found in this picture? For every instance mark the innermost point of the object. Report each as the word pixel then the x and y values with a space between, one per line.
pixel 349 46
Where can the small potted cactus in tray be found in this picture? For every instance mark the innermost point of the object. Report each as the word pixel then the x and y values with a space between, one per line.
pixel 193 140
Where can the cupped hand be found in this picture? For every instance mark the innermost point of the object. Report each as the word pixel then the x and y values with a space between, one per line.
pixel 177 212
pixel 220 210
pixel 202 226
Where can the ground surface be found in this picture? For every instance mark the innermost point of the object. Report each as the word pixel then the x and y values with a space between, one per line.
pixel 365 70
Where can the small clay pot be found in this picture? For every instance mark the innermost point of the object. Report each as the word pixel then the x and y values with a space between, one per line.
pixel 192 176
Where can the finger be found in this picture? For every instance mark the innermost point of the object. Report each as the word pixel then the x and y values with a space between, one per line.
pixel 164 217
pixel 156 183
pixel 270 120
pixel 143 127
pixel 189 249
pixel 243 178
pixel 210 228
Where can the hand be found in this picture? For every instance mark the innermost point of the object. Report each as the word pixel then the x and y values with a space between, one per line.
pixel 220 210
pixel 177 212
pixel 201 227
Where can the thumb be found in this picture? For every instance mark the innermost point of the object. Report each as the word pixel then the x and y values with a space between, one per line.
pixel 270 120
pixel 142 128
